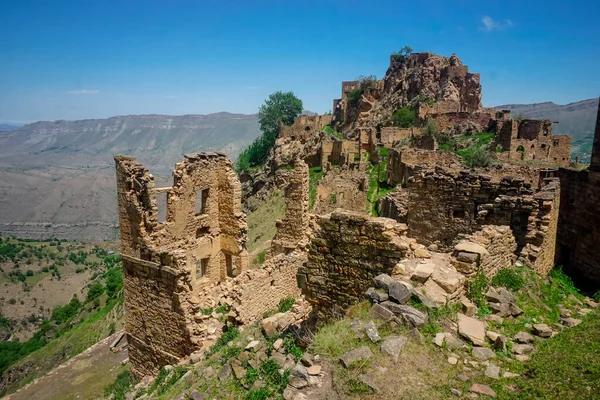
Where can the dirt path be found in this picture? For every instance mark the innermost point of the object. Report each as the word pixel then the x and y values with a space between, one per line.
pixel 82 377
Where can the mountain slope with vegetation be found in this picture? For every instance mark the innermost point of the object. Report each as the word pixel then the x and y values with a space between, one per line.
pixel 57 178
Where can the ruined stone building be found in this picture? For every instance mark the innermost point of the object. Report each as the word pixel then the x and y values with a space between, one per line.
pixel 169 256
pixel 530 139
pixel 579 219
pixel 191 256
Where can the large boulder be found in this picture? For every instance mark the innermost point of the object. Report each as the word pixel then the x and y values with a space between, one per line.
pixel 409 314
pixel 471 329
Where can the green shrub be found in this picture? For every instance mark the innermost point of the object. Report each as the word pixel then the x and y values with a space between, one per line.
pixel 476 290
pixel 315 174
pixel 260 257
pixel 289 343
pixel 114 281
pixel 354 96
pixel 119 388
pixel 429 129
pixel 510 278
pixel 95 291
pixel 258 394
pixel 477 157
pixel 221 309
pixel 404 117
pixel 333 198
pixel 286 304
pixel 229 333
pixel 29 272
pixel 401 54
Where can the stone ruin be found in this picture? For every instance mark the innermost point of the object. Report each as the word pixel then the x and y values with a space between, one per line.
pixel 439 227
pixel 194 258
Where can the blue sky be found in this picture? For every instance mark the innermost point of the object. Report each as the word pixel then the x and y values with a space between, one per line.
pixel 99 58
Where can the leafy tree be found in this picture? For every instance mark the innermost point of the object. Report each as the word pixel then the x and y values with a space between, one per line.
pixel 404 117
pixel 95 291
pixel 401 54
pixel 114 281
pixel 279 107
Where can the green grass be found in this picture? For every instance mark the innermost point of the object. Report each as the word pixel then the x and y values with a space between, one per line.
pixel 260 257
pixel 329 130
pixel 286 304
pixel 315 175
pixel 334 339
pixel 564 367
pixel 477 287
pixel 119 388
pixel 230 333
pixel 376 175
pixel 261 222
pixel 510 278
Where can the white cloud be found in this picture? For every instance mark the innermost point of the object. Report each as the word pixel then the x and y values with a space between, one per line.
pixel 84 91
pixel 489 24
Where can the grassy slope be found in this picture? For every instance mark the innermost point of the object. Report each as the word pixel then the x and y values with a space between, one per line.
pixel 261 223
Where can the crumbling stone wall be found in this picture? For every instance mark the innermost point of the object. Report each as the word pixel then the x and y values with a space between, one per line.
pixel 254 292
pixel 494 249
pixel 347 251
pixel 293 229
pixel 532 140
pixel 390 136
pixel 445 204
pixel 402 163
pixel 394 205
pixel 166 263
pixel 342 188
pixel 339 153
pixel 304 126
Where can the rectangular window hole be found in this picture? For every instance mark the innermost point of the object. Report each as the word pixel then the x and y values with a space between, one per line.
pixel 202 268
pixel 201 202
pixel 161 203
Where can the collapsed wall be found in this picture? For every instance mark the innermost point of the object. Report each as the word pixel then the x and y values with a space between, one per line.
pixel 347 251
pixel 443 205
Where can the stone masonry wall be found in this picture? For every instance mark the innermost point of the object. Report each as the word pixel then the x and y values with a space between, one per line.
pixel 347 251
pixel 254 292
pixel 342 188
pixel 292 230
pixel 444 205
pixel 166 263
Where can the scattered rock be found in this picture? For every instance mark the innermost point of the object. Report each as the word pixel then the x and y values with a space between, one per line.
pixel 415 335
pixel 278 344
pixel 298 382
pixel 422 272
pixel 399 269
pixel 495 297
pixel 482 389
pixel 563 311
pixel 523 337
pixel 483 353
pixel 363 353
pixel 377 311
pixel 300 371
pixel 238 371
pixel 314 370
pixel 500 343
pixel 522 349
pixel 422 253
pixel 542 330
pixel 300 396
pixel 495 318
pixel 507 374
pixel 515 311
pixel 468 308
pixel 279 358
pixel 452 342
pixel 590 303
pixel 439 338
pixel 492 335
pixel 399 292
pixel 452 360
pixel 269 326
pixel 456 392
pixel 409 314
pixel 196 395
pixel 570 322
pixel 195 357
pixel 306 359
pixel 372 332
pixel 462 377
pixel 253 345
pixel 370 382
pixel 382 281
pixel 392 346
pixel 472 329
pixel 492 371
pixel 225 373
pixel 378 296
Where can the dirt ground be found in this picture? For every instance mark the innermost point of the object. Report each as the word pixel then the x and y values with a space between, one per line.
pixel 82 377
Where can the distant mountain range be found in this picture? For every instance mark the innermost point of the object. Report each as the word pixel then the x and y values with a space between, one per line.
pixel 57 178
pixel 8 127
pixel 575 119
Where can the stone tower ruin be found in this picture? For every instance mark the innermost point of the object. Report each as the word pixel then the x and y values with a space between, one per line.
pixel 169 255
